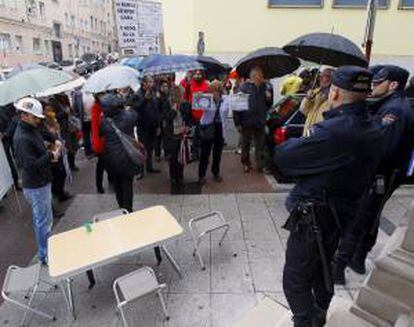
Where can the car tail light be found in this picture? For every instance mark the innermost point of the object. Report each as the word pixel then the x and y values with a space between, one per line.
pixel 279 135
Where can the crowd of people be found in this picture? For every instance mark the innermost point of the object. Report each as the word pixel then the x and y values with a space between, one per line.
pixel 353 154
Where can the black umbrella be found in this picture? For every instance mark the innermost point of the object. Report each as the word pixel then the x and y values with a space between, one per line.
pixel 327 49
pixel 273 61
pixel 212 65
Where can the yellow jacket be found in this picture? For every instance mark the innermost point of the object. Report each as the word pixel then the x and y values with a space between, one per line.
pixel 313 109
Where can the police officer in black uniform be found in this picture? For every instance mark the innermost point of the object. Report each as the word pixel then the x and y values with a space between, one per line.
pixel 395 117
pixel 333 168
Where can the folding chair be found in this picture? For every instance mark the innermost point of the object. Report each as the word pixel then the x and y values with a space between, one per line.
pixel 135 285
pixel 25 280
pixel 205 224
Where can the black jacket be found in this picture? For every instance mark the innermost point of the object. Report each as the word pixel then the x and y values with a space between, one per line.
pixel 396 117
pixel 116 159
pixel 32 156
pixel 256 116
pixel 149 116
pixel 338 159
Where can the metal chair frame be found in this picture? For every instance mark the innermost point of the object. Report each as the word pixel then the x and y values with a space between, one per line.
pixel 118 292
pixel 26 307
pixel 197 237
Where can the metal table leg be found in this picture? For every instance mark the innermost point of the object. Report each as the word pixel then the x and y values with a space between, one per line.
pixel 173 262
pixel 68 295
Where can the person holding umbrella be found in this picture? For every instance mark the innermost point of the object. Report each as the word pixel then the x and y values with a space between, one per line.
pixel 35 161
pixel 251 123
pixel 316 101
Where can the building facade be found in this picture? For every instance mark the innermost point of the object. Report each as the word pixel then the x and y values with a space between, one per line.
pixel 54 30
pixel 235 27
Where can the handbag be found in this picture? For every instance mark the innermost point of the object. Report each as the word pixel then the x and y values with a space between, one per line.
pixel 207 132
pixel 134 149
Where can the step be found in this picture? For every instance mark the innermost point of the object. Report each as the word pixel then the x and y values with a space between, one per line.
pixel 381 305
pixel 394 285
pixel 340 315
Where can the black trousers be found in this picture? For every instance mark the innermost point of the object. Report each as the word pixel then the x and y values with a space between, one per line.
pixel 207 146
pixel 86 131
pixel 149 142
pixel 158 144
pixel 58 179
pixel 360 238
pixel 303 278
pixel 99 172
pixel 196 143
pixel 123 191
pixel 176 168
pixel 71 159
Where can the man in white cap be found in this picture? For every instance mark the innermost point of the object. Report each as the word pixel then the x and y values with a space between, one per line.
pixel 34 160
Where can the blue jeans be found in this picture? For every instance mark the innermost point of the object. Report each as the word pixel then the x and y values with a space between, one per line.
pixel 40 200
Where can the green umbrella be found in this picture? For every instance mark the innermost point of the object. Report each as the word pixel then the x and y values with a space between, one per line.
pixel 30 82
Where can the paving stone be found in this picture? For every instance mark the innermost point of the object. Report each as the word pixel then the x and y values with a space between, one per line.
pixel 259 229
pixel 230 252
pixel 229 308
pixel 194 279
pixel 231 278
pixel 267 275
pixel 189 310
pixel 264 250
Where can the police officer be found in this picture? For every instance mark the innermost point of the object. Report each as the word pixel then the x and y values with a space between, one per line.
pixel 396 122
pixel 332 165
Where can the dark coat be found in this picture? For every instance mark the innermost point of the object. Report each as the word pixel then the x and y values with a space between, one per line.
pixel 116 159
pixel 338 159
pixel 32 156
pixel 256 116
pixel 168 117
pixel 396 117
pixel 149 116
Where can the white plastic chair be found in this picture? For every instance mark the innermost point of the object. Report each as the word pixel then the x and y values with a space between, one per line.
pixel 109 215
pixel 24 280
pixel 203 225
pixel 135 285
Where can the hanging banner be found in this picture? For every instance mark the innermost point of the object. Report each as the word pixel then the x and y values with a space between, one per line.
pixel 127 22
pixel 140 25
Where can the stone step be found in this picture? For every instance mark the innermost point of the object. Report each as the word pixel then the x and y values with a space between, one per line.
pixel 340 315
pixel 381 305
pixel 394 285
pixel 405 321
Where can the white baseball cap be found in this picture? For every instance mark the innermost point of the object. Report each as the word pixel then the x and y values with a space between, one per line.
pixel 31 106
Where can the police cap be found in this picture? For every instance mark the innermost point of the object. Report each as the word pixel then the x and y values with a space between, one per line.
pixel 352 78
pixel 392 73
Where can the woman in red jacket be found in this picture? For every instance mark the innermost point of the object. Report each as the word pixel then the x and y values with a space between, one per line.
pixel 98 142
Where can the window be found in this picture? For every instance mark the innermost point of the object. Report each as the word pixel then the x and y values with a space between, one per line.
pixel 70 50
pixel 47 46
pixel 295 3
pixel 56 30
pixel 91 22
pixel 5 42
pixel 81 24
pixel 66 19
pixel 406 4
pixel 42 12
pixel 18 40
pixel 37 49
pixel 72 21
pixel 357 3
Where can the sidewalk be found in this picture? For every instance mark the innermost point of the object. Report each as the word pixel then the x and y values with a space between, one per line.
pixel 216 297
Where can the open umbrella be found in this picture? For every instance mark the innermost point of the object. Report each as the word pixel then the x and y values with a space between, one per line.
pixel 75 82
pixel 110 78
pixel 133 62
pixel 327 49
pixel 23 67
pixel 212 66
pixel 163 64
pixel 273 61
pixel 30 82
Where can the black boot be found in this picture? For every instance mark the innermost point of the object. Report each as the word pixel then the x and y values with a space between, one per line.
pixel 338 273
pixel 318 316
pixel 357 263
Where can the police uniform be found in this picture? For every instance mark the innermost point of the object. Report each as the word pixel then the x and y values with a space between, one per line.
pixel 333 167
pixel 395 118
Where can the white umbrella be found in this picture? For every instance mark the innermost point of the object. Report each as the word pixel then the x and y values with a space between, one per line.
pixel 111 78
pixel 73 84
